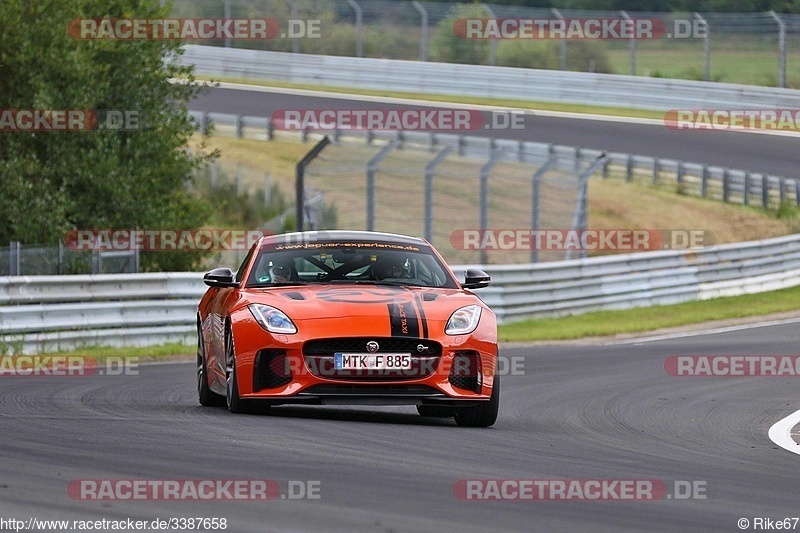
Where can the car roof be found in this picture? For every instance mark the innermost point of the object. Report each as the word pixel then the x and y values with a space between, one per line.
pixel 345 235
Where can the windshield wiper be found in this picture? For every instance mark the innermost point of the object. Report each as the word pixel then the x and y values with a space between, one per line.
pixel 279 284
pixel 395 283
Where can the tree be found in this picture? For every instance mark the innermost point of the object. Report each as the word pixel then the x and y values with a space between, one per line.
pixel 52 182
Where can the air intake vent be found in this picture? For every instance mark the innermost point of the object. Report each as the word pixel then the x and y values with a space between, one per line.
pixel 294 295
pixel 271 370
pixel 466 371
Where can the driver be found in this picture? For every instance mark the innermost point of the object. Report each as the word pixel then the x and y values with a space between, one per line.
pixel 389 266
pixel 280 274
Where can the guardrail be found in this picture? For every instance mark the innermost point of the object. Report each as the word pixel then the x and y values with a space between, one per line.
pixel 50 313
pixel 484 81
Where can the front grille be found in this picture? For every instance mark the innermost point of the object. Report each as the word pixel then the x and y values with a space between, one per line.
pixel 319 357
pixel 271 370
pixel 371 390
pixel 466 371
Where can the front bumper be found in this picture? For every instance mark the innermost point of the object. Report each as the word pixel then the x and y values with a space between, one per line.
pixel 284 369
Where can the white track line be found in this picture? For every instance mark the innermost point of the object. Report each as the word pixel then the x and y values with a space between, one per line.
pixel 433 103
pixel 781 433
pixel 713 331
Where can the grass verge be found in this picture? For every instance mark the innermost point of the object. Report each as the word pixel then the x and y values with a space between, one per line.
pixel 143 353
pixel 605 323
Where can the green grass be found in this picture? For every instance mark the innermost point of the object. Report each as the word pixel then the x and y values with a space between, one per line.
pixel 604 323
pixel 143 353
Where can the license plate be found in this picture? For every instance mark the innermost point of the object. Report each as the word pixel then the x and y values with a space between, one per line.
pixel 371 361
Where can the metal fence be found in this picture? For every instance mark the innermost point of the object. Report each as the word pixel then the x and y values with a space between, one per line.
pixel 40 260
pixel 434 184
pixel 754 48
pixel 61 312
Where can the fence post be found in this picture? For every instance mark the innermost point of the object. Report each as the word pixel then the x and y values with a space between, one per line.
pixel 706 46
pixel 536 198
pixel 746 188
pixel 580 219
pixel 679 173
pixel 781 48
pixel 656 165
pixel 270 130
pixel 239 126
pixel 558 15
pixel 227 15
pixel 267 189
pixel 632 44
pixel 293 6
pixel 359 28
pixel 629 168
pixel 60 257
pixel 726 186
pixel 430 168
pixel 704 182
pixel 372 166
pixel 299 180
pixel 492 40
pixel 14 258
pixel 764 191
pixel 494 158
pixel 796 192
pixel 782 190
pixel 423 43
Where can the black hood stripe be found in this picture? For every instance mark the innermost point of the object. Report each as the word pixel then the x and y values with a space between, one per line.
pixel 422 319
pixel 403 319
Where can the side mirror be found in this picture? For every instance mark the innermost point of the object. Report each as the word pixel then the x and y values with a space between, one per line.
pixel 475 279
pixel 220 277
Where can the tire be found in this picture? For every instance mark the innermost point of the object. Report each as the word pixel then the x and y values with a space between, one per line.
pixel 235 404
pixel 207 397
pixel 436 411
pixel 482 415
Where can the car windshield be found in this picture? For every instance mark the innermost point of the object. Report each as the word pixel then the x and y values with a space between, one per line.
pixel 343 263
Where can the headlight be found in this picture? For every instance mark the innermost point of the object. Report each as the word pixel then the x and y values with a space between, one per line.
pixel 272 319
pixel 463 320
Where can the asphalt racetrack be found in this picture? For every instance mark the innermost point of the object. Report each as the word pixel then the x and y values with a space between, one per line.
pixel 568 412
pixel 755 152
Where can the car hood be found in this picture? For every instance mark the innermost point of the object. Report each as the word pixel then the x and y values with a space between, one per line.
pixel 316 302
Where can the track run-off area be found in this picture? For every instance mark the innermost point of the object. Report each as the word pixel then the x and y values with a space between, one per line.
pixel 607 411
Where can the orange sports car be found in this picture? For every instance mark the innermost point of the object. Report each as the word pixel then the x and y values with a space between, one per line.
pixel 348 317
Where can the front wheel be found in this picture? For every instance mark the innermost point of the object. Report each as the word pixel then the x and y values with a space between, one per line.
pixel 482 415
pixel 235 404
pixel 207 397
